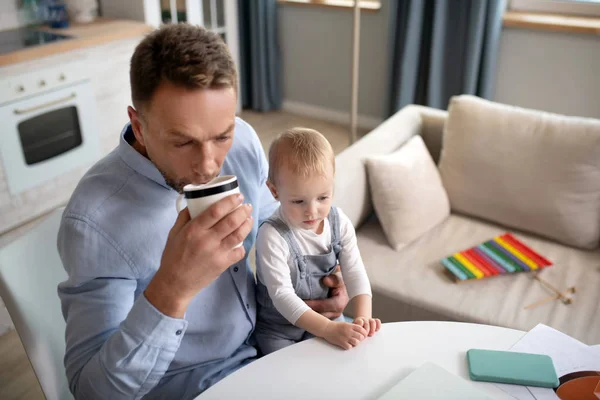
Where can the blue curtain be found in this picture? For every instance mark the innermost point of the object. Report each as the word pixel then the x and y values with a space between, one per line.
pixel 442 48
pixel 260 70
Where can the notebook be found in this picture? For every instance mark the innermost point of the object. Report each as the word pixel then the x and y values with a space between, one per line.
pixel 432 382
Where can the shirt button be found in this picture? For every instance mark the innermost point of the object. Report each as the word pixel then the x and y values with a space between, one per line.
pixel 235 269
pixel 179 332
pixel 247 305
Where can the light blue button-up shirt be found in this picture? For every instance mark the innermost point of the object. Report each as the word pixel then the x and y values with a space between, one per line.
pixel 111 240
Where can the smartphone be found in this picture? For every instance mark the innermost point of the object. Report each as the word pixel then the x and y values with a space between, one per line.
pixel 511 367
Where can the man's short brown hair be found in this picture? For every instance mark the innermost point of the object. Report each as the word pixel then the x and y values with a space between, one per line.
pixel 181 54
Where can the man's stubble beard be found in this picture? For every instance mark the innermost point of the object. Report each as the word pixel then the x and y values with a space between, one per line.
pixel 175 184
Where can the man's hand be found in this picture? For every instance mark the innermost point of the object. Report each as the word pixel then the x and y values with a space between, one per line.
pixel 334 305
pixel 198 251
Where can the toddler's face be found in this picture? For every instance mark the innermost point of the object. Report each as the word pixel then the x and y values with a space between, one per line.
pixel 304 201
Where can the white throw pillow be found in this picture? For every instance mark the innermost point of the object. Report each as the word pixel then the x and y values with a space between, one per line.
pixel 530 170
pixel 407 192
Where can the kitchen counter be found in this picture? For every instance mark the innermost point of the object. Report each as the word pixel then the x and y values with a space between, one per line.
pixel 96 33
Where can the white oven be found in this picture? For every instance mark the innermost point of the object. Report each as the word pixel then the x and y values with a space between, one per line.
pixel 49 125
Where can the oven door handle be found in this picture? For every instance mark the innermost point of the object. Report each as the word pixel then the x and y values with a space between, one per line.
pixel 45 105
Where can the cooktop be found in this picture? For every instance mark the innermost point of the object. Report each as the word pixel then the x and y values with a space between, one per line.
pixel 17 39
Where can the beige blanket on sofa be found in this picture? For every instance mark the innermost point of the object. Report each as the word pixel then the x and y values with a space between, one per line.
pixel 414 279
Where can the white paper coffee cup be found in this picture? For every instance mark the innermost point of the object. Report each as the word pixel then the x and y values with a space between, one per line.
pixel 200 197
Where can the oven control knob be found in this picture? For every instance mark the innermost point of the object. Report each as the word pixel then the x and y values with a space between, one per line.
pixel 62 77
pixel 42 83
pixel 20 88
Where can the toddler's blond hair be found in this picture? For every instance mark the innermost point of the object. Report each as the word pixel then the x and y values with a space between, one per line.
pixel 304 151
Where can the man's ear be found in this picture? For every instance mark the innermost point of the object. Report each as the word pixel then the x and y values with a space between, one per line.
pixel 273 189
pixel 136 125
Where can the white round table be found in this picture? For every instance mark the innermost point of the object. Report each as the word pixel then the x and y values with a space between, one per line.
pixel 314 369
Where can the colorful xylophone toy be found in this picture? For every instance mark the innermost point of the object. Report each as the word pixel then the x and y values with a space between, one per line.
pixel 504 254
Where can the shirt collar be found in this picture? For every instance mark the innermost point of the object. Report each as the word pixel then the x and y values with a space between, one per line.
pixel 136 161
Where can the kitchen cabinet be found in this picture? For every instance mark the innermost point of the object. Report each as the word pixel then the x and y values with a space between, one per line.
pixel 107 67
pixel 103 50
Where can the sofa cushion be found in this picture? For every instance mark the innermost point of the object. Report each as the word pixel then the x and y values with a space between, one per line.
pixel 414 279
pixel 351 187
pixel 407 192
pixel 531 170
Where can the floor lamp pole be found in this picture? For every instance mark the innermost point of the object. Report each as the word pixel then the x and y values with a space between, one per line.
pixel 355 54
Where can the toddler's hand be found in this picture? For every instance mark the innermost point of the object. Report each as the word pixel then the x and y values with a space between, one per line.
pixel 371 325
pixel 344 334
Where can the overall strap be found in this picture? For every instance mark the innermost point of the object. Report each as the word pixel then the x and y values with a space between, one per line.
pixel 286 233
pixel 334 223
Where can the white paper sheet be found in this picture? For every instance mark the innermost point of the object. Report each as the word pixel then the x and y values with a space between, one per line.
pixel 568 354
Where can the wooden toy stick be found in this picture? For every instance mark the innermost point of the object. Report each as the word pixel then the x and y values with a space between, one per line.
pixel 562 297
pixel 569 300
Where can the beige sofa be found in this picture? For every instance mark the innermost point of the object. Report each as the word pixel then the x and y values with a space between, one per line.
pixel 411 284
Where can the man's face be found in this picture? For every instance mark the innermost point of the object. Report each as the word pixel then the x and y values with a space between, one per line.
pixel 186 133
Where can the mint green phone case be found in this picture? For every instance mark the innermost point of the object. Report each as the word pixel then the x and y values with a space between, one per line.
pixel 509 367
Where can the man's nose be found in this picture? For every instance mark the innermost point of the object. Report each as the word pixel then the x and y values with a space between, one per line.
pixel 204 163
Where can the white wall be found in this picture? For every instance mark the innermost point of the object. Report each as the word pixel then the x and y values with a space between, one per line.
pixel 148 11
pixel 550 71
pixel 131 9
pixel 9 15
pixel 316 47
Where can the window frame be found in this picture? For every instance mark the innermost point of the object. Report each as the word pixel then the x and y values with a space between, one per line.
pixel 564 7
pixel 365 5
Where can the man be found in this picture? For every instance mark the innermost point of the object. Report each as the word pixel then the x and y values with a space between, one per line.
pixel 158 305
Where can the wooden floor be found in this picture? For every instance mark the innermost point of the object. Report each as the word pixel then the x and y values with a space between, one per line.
pixel 17 380
pixel 269 125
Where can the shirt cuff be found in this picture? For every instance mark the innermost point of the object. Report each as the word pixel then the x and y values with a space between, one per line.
pixel 153 327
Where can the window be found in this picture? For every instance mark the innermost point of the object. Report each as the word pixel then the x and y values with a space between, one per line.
pixel 573 7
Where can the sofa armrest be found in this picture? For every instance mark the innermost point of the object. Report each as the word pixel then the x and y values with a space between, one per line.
pixel 351 187
pixel 432 129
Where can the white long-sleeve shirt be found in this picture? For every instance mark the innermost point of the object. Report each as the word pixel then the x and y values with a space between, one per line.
pixel 275 262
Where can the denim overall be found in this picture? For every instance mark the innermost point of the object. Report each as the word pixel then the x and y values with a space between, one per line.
pixel 273 331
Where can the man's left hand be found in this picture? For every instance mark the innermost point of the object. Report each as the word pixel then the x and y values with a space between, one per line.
pixel 334 305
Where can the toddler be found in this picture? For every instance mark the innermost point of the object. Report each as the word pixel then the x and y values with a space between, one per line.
pixel 302 242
